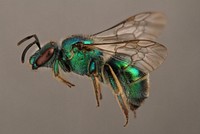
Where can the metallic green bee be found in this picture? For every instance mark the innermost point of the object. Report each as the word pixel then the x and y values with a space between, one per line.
pixel 122 56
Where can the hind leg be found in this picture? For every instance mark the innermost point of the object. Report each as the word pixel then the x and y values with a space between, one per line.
pixel 111 77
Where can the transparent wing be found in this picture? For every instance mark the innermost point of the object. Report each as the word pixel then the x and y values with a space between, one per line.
pixel 147 25
pixel 144 54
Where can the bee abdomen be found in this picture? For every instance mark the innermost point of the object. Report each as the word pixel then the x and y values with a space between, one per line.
pixel 134 82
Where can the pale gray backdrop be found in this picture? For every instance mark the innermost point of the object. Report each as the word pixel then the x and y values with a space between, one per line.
pixel 33 102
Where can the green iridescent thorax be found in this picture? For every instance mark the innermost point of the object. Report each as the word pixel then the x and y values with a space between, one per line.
pixel 79 59
pixel 67 45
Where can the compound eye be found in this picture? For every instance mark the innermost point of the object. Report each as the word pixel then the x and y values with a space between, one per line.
pixel 45 57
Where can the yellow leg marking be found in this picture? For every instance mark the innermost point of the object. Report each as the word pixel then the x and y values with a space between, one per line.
pixel 65 81
pixel 97 90
pixel 120 96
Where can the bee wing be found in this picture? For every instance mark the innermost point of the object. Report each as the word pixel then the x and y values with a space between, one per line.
pixel 144 54
pixel 147 25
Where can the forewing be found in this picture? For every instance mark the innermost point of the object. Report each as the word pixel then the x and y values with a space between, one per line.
pixel 144 54
pixel 147 25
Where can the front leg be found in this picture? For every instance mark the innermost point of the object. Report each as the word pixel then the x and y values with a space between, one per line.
pixel 57 74
pixel 65 81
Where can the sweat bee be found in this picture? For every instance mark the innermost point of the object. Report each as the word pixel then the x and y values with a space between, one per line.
pixel 121 56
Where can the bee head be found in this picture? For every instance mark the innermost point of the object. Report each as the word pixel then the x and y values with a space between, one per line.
pixel 44 57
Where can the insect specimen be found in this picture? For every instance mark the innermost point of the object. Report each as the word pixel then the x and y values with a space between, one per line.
pixel 121 56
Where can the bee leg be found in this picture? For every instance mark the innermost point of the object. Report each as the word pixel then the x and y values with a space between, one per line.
pixel 93 71
pixel 100 96
pixel 123 106
pixel 118 90
pixel 57 74
pixel 97 89
pixel 65 81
